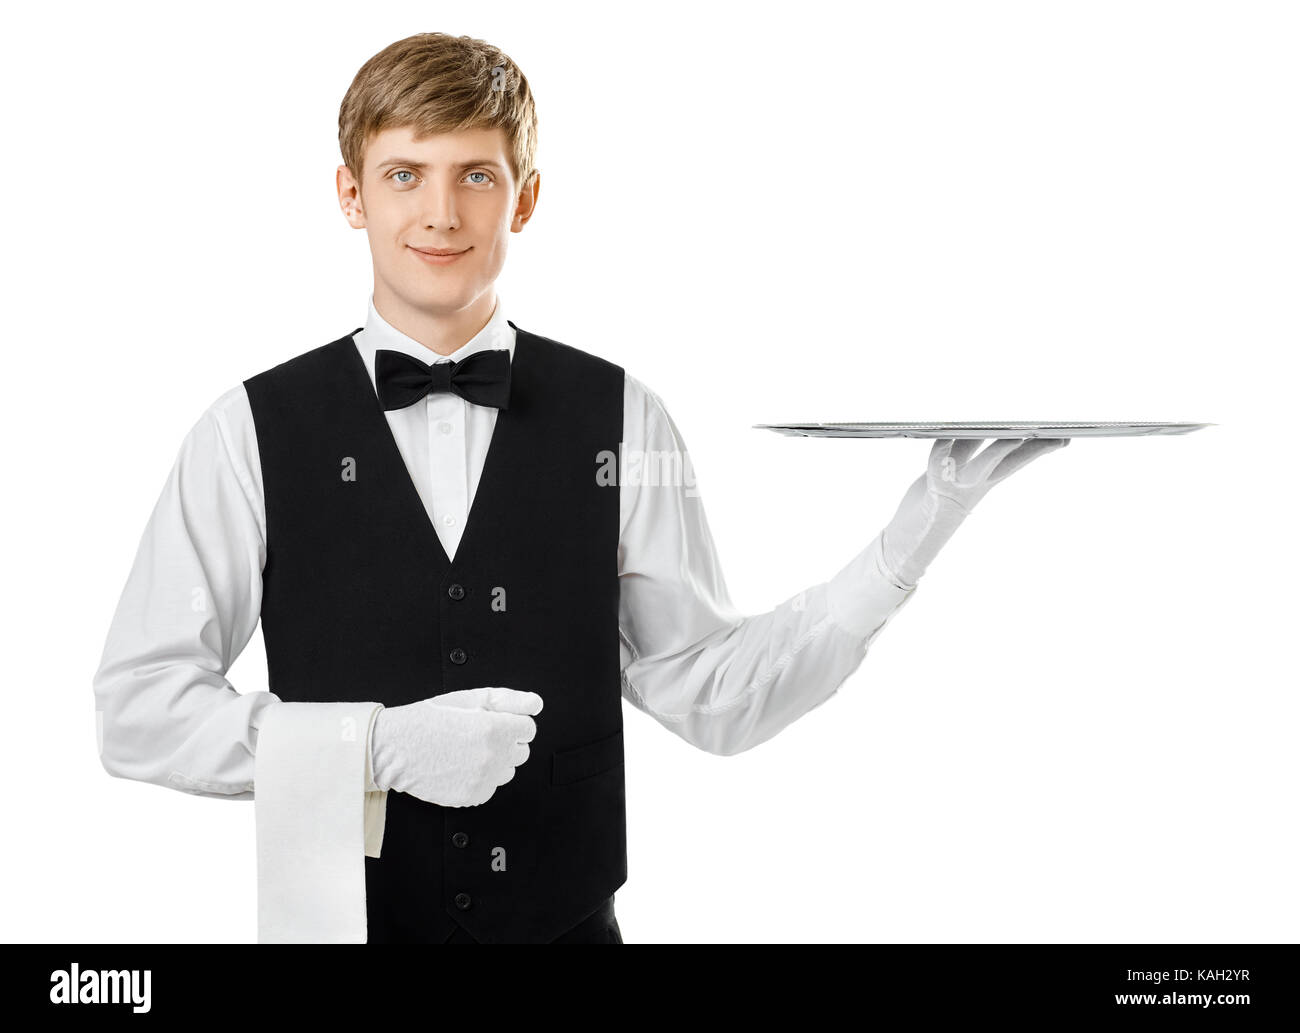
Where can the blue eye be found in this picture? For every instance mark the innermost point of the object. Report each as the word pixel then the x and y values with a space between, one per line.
pixel 480 182
pixel 404 172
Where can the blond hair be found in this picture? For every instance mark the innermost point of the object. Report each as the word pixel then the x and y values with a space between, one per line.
pixel 436 83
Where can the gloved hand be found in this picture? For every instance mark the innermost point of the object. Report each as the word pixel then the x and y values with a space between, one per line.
pixel 454 749
pixel 939 500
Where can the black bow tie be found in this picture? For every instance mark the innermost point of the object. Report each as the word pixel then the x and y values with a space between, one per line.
pixel 482 377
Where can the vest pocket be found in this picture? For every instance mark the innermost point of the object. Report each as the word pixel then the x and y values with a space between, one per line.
pixel 585 761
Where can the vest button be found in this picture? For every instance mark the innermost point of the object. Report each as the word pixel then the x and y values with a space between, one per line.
pixel 460 839
pixel 456 591
pixel 458 656
pixel 463 901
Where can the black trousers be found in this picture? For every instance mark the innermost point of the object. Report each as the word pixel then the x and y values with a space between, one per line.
pixel 599 927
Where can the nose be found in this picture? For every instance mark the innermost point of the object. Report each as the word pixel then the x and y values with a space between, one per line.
pixel 440 207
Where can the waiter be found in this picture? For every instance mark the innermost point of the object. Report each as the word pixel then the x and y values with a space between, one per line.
pixel 463 554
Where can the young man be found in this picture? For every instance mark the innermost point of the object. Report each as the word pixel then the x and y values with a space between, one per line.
pixel 458 571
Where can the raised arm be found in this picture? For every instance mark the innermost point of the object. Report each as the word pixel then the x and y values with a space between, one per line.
pixel 726 681
pixel 722 680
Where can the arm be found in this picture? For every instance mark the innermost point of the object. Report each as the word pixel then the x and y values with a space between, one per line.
pixel 724 681
pixel 165 711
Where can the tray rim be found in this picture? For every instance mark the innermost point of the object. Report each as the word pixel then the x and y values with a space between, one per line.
pixel 986 429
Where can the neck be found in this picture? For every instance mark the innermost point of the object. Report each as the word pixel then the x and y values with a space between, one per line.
pixel 440 330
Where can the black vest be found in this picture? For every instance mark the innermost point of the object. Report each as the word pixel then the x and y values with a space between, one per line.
pixel 360 602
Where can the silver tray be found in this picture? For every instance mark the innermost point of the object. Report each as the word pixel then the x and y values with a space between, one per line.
pixel 981 429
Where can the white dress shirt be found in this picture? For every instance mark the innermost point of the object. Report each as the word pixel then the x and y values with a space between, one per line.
pixel 722 680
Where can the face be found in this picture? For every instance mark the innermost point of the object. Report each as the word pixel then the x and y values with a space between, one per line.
pixel 447 191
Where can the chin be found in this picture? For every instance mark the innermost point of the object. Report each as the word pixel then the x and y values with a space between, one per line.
pixel 449 296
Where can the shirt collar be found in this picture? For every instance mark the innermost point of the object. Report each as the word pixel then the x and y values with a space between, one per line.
pixel 379 333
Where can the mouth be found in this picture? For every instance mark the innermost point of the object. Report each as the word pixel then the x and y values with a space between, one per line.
pixel 438 255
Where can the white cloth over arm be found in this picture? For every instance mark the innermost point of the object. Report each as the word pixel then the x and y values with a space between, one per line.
pixel 311 875
pixel 722 680
pixel 165 711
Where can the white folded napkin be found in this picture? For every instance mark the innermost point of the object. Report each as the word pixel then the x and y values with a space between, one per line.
pixel 319 815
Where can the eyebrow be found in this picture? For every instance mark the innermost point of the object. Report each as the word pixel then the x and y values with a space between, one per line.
pixel 424 164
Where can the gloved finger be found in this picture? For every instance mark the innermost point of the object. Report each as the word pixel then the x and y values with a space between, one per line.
pixel 519 755
pixel 939 451
pixel 964 448
pixel 513 728
pixel 512 701
pixel 948 465
pixel 979 468
pixel 1025 454
pixel 466 699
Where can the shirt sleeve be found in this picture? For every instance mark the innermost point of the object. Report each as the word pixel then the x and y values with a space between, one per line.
pixel 165 711
pixel 722 680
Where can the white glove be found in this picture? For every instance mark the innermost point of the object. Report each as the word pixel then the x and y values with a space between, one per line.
pixel 454 749
pixel 939 500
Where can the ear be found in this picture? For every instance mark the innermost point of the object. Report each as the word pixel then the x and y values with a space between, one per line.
pixel 350 197
pixel 527 202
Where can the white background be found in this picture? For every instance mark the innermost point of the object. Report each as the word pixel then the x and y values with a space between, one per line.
pixel 1081 729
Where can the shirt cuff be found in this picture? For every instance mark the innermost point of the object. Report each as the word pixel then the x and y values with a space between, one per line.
pixel 370 731
pixel 376 803
pixel 863 596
